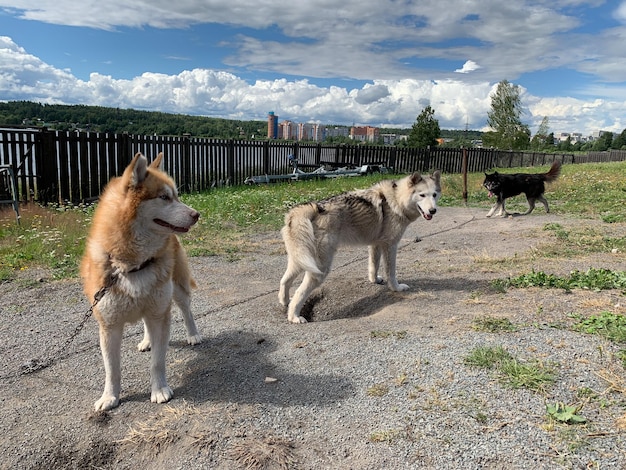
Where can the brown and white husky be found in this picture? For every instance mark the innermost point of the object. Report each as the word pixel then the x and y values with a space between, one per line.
pixel 135 264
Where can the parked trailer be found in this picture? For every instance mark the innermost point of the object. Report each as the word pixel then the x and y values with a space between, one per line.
pixel 318 173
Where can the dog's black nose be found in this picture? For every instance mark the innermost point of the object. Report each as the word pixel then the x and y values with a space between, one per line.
pixel 433 211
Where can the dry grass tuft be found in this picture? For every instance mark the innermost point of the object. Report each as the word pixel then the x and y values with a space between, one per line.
pixel 615 381
pixel 267 453
pixel 158 432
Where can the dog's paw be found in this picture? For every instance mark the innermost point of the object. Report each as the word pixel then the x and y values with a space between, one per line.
pixel 399 287
pixel 143 346
pixel 106 402
pixel 194 339
pixel 298 320
pixel 161 395
pixel 378 280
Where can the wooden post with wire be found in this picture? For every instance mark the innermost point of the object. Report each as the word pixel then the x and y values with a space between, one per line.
pixel 464 172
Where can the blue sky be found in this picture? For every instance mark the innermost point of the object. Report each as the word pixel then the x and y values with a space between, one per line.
pixel 368 62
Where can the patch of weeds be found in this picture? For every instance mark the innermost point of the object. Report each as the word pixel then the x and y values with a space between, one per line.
pixel 481 417
pixel 593 278
pixel 611 326
pixel 402 379
pixel 487 357
pixel 511 372
pixel 499 285
pixel 492 324
pixel 378 390
pixel 584 240
pixel 387 334
pixel 567 414
pixel 586 393
pixel 558 230
pixel 532 375
pixel 388 435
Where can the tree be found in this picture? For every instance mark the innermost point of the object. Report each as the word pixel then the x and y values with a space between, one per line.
pixel 619 141
pixel 604 142
pixel 541 139
pixel 425 131
pixel 504 118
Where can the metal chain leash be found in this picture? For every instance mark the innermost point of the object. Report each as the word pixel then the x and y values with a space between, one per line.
pixel 40 363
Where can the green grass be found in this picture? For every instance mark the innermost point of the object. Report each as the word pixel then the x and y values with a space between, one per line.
pixel 511 372
pixel 53 238
pixel 582 240
pixel 611 326
pixel 492 324
pixel 486 357
pixel 594 279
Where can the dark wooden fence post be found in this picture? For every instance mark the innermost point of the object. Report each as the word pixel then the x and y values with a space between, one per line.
pixel 392 158
pixel 266 157
pixel 230 162
pixel 47 167
pixel 185 162
pixel 464 172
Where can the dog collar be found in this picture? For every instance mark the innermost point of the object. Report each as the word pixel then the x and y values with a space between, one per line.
pixel 117 271
pixel 145 264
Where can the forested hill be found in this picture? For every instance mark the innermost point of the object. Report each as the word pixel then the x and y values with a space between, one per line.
pixel 115 120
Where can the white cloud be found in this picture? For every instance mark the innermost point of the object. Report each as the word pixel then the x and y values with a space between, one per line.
pixel 386 103
pixel 468 66
pixel 620 12
pixel 365 39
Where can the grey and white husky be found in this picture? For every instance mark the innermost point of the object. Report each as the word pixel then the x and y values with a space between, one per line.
pixel 377 217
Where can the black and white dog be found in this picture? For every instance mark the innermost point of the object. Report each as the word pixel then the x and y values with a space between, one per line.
pixel 503 186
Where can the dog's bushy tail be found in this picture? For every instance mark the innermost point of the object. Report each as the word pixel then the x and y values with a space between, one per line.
pixel 299 237
pixel 554 172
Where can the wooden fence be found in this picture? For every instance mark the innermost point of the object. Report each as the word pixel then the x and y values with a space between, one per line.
pixel 73 167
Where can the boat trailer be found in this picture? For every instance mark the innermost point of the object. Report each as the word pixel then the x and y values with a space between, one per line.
pixel 320 172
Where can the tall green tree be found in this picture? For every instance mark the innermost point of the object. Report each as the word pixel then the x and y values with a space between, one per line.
pixel 619 141
pixel 504 118
pixel 543 138
pixel 604 142
pixel 425 131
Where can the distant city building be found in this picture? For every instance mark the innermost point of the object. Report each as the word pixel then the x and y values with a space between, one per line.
pixel 272 125
pixel 393 139
pixel 365 134
pixel 288 131
pixel 337 132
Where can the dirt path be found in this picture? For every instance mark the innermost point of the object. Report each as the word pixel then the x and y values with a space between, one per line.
pixel 376 380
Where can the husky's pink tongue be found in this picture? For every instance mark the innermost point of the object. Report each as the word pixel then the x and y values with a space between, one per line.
pixel 428 216
pixel 490 194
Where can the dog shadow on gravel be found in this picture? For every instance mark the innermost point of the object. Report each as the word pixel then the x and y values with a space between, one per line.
pixel 357 298
pixel 234 367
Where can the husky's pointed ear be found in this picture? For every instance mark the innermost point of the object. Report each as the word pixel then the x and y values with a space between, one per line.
pixel 157 162
pixel 415 178
pixel 136 171
pixel 436 176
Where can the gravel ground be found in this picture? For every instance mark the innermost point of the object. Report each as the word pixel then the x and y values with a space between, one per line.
pixel 375 380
